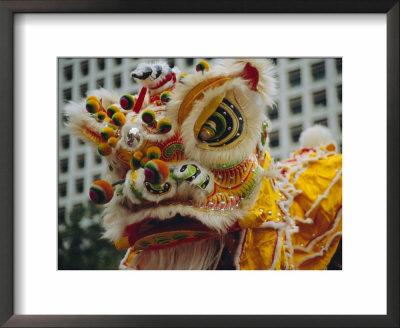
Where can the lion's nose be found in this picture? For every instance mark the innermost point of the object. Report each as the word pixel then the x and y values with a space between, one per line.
pixel 143 73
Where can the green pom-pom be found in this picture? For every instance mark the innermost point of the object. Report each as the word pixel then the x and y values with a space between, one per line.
pixel 164 125
pixel 127 102
pixel 165 97
pixel 148 116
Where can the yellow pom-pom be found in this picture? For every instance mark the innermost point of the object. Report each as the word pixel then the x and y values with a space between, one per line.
pixel 112 141
pixel 107 132
pixel 153 152
pixel 92 106
pixel 100 116
pixel 104 149
pixel 165 97
pixel 202 66
pixel 164 125
pixel 101 192
pixel 111 110
pixel 119 118
pixel 181 77
pixel 93 98
pixel 138 155
pixel 156 172
pixel 135 160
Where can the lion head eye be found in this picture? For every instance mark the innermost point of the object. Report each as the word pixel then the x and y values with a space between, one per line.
pixel 133 137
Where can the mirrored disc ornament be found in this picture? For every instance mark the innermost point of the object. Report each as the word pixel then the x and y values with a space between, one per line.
pixel 133 137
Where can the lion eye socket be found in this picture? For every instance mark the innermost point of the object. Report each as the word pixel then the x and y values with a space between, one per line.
pixel 224 127
pixel 133 137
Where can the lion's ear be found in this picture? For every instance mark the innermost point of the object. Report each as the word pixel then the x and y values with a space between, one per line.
pixel 251 75
pixel 259 74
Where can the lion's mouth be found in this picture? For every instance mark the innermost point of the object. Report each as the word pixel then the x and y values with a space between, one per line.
pixel 164 81
pixel 152 233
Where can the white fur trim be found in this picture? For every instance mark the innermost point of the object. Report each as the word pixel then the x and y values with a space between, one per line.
pixel 187 191
pixel 273 225
pixel 277 250
pixel 315 136
pixel 117 216
pixel 127 191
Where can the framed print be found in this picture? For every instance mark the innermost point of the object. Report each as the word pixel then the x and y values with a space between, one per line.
pixel 42 38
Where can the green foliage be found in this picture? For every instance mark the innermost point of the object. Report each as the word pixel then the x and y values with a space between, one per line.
pixel 80 246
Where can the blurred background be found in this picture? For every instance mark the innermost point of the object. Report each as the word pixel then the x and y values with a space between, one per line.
pixel 310 92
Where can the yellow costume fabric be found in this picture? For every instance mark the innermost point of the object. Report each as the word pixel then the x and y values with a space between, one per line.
pixel 296 221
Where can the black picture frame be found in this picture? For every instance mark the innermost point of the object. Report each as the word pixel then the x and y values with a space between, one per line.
pixel 7 11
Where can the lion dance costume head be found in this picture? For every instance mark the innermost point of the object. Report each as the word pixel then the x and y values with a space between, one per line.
pixel 190 183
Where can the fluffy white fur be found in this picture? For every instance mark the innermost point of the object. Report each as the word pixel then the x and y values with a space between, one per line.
pixel 190 192
pixel 315 136
pixel 127 189
pixel 120 212
pixel 266 86
pixel 78 119
pixel 201 255
pixel 180 91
